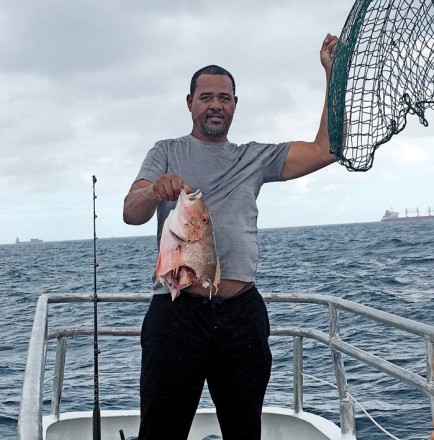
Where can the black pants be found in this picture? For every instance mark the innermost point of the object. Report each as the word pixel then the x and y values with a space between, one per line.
pixel 192 339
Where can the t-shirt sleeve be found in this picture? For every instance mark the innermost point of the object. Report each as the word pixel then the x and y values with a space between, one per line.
pixel 272 157
pixel 155 163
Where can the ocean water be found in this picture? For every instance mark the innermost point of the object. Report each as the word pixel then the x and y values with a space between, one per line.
pixel 387 266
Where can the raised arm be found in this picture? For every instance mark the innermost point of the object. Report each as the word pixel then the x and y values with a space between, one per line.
pixel 306 157
pixel 141 202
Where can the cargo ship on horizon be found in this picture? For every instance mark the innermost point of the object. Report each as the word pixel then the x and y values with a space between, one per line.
pixel 32 240
pixel 393 216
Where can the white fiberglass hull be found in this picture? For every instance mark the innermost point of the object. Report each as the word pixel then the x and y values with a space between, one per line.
pixel 277 424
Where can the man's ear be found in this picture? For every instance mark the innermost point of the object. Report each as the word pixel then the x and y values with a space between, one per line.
pixel 189 100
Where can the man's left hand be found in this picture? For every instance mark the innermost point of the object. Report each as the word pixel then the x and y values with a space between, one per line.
pixel 328 50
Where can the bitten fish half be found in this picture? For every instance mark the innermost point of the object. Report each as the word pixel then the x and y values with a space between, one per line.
pixel 187 254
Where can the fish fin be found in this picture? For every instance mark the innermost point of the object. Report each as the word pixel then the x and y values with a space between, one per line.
pixel 217 276
pixel 175 289
pixel 158 265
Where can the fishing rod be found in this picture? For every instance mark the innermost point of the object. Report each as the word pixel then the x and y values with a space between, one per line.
pixel 96 407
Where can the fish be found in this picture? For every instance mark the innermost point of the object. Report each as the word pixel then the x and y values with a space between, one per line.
pixel 187 254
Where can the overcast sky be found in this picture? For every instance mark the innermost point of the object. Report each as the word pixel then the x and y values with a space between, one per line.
pixel 87 87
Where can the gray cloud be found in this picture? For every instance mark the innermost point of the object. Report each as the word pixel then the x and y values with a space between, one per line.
pixel 88 87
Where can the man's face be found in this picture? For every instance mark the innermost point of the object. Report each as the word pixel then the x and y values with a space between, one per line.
pixel 212 107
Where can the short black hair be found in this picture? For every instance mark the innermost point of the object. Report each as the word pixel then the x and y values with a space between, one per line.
pixel 212 69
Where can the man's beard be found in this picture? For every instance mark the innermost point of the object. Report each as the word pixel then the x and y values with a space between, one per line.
pixel 214 132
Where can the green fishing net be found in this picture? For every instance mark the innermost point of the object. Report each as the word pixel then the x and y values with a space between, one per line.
pixel 382 72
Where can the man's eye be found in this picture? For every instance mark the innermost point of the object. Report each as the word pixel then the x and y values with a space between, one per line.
pixel 206 98
pixel 225 98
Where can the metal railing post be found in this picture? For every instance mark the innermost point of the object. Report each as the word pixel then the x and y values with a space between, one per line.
pixel 430 372
pixel 59 374
pixel 346 405
pixel 298 374
pixel 30 418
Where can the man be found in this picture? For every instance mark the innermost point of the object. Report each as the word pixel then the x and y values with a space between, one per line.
pixel 223 341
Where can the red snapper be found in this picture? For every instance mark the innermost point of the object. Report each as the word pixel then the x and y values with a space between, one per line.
pixel 187 247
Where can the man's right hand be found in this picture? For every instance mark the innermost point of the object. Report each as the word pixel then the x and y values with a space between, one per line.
pixel 144 197
pixel 168 187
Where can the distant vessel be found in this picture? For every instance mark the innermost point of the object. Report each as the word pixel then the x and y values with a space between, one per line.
pixel 32 240
pixel 393 216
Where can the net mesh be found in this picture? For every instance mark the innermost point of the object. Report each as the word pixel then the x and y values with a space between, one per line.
pixel 383 71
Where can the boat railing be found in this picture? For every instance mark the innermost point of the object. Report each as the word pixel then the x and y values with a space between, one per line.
pixel 30 416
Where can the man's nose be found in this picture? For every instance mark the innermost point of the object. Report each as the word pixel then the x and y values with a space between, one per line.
pixel 215 103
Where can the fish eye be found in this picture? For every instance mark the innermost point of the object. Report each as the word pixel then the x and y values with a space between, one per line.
pixel 205 220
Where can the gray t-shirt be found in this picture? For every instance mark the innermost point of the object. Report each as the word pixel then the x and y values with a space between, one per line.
pixel 230 177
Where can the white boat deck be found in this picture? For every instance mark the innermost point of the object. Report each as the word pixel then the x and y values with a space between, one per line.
pixel 278 424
